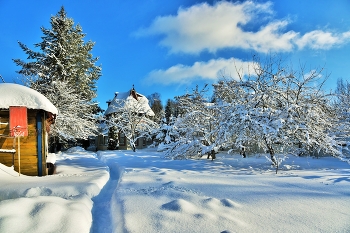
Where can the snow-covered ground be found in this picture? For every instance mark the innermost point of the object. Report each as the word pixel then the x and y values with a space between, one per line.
pixel 125 191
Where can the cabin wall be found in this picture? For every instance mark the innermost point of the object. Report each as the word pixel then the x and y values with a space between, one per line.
pixel 28 145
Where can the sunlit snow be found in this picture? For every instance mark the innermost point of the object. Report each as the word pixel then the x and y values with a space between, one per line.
pixel 17 95
pixel 125 191
pixel 124 99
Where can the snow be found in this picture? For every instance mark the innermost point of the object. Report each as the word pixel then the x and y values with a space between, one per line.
pixel 8 150
pixel 12 94
pixel 126 191
pixel 122 99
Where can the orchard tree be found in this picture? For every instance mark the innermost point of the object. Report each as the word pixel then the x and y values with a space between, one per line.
pixel 62 61
pixel 277 109
pixel 195 126
pixel 199 114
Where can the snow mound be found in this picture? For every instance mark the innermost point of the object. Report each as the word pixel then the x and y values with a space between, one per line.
pixel 43 214
pixel 38 191
pixel 51 158
pixel 7 171
pixel 179 205
pixel 75 149
pixel 12 94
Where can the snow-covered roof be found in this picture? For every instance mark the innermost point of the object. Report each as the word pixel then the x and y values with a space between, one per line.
pixel 127 99
pixel 12 94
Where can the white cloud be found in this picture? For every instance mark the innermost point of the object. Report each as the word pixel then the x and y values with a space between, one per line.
pixel 322 40
pixel 205 27
pixel 211 70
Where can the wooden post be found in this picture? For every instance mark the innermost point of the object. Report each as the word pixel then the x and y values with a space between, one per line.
pixel 19 156
pixel 39 126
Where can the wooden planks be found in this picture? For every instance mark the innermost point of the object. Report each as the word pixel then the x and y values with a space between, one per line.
pixel 28 145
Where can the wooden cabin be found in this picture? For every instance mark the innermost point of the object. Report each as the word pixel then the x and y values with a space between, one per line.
pixel 25 119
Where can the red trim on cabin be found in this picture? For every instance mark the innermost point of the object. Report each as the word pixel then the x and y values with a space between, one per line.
pixel 18 120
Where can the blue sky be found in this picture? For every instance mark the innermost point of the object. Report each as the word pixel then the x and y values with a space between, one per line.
pixel 170 46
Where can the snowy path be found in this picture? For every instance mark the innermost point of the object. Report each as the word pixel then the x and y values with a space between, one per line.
pixel 103 203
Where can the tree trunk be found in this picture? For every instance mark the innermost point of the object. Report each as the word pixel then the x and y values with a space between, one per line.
pixel 272 155
pixel 132 144
pixel 273 159
pixel 271 152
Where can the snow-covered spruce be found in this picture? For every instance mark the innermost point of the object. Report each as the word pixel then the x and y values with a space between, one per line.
pixel 64 71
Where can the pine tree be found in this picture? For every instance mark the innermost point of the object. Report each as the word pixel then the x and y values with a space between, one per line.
pixel 167 132
pixel 156 106
pixel 63 59
pixel 341 106
pixel 113 138
pixel 75 120
pixel 171 109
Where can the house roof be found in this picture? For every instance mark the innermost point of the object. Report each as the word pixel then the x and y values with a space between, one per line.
pixel 12 94
pixel 132 100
